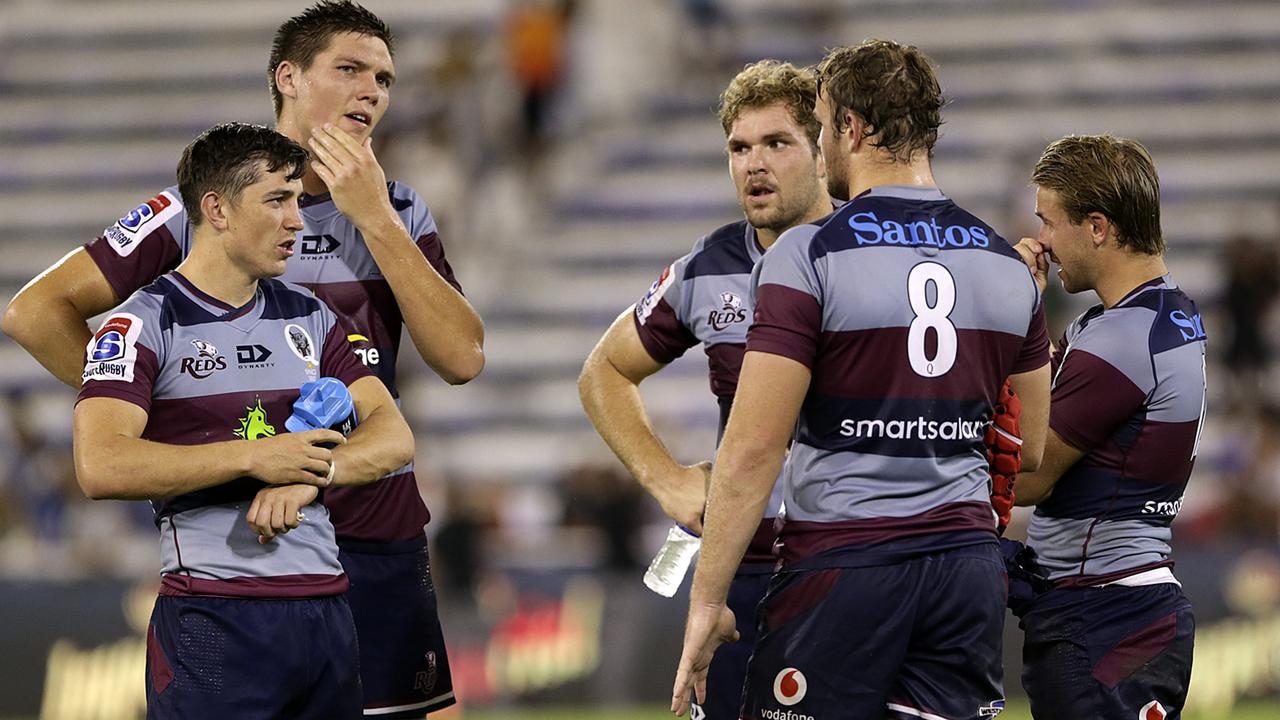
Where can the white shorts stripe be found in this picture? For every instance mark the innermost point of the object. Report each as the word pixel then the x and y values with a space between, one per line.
pixel 913 712
pixel 414 706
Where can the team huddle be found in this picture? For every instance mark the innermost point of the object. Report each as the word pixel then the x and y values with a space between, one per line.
pixel 886 382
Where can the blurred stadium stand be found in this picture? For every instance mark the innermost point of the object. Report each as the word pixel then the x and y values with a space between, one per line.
pixel 97 99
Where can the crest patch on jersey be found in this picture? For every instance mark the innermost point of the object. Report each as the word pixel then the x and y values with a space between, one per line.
pixel 113 350
pixel 127 232
pixel 645 307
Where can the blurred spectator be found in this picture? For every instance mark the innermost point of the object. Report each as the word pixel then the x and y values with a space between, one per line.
pixel 1250 508
pixel 1252 285
pixel 607 499
pixel 536 32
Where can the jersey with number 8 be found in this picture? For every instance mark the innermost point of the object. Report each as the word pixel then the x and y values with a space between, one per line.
pixel 910 313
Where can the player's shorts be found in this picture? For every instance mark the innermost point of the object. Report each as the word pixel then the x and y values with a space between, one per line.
pixel 728 671
pixel 403 663
pixel 1108 652
pixel 916 639
pixel 219 658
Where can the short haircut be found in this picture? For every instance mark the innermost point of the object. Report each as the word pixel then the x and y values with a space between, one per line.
pixel 893 87
pixel 1109 175
pixel 767 82
pixel 304 36
pixel 228 158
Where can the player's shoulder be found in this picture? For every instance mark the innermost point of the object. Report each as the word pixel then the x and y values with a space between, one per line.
pixel 404 198
pixel 1155 317
pixel 164 209
pixel 287 300
pixel 723 251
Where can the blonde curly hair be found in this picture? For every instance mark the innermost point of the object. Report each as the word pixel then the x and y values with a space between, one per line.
pixel 767 82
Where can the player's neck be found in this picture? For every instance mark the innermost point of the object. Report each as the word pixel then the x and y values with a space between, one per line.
pixel 216 276
pixel 877 172
pixel 312 184
pixel 1135 271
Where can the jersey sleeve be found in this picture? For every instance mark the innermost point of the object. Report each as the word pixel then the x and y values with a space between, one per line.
pixel 788 296
pixel 1099 385
pixel 337 358
pixel 124 356
pixel 142 245
pixel 421 225
pixel 659 316
pixel 1035 348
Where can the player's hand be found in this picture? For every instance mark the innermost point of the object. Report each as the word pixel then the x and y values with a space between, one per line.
pixel 1037 259
pixel 294 458
pixel 708 627
pixel 684 496
pixel 356 181
pixel 277 510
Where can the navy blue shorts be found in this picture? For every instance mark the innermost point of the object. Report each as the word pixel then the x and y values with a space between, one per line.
pixel 1108 652
pixel 220 658
pixel 728 671
pixel 921 638
pixel 403 663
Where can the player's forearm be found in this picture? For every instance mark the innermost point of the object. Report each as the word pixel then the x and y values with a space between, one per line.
pixel 614 406
pixel 380 444
pixel 446 330
pixel 51 330
pixel 741 483
pixel 1032 488
pixel 128 468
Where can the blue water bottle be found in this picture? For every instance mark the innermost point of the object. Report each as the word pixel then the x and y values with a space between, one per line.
pixel 324 403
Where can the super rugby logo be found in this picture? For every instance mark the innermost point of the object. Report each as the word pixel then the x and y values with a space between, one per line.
pixel 112 350
pixel 730 313
pixel 123 236
pixel 789 686
pixel 645 307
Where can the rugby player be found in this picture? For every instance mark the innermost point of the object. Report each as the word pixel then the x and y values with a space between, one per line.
pixel 704 297
pixel 1114 636
pixel 251 620
pixel 886 332
pixel 370 250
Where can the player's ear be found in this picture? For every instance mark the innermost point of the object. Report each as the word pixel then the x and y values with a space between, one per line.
pixel 287 77
pixel 856 128
pixel 213 209
pixel 1100 227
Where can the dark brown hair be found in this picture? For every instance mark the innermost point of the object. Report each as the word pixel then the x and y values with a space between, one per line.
pixel 1109 175
pixel 767 82
pixel 893 87
pixel 300 38
pixel 227 158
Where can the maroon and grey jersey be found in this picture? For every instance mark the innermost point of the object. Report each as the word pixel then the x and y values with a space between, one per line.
pixel 909 313
pixel 1128 391
pixel 705 298
pixel 333 261
pixel 206 372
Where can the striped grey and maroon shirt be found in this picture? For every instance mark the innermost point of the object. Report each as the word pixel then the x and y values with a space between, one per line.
pixel 705 297
pixel 1129 391
pixel 909 313
pixel 333 261
pixel 206 372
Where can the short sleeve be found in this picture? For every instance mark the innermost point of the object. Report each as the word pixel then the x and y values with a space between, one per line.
pixel 421 225
pixel 1035 348
pixel 788 299
pixel 658 319
pixel 337 358
pixel 123 357
pixel 142 245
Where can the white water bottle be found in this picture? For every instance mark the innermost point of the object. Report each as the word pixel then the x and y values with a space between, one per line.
pixel 669 566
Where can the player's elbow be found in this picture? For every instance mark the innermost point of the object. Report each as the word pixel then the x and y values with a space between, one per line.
pixel 464 368
pixel 94 475
pixel 18 319
pixel 1032 454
